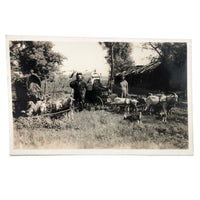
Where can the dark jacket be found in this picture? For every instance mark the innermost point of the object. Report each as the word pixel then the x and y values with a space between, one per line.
pixel 79 89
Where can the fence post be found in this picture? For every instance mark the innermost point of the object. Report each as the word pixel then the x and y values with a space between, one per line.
pixel 53 89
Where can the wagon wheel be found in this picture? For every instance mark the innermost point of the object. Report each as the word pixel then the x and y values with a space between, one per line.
pixel 79 106
pixel 98 103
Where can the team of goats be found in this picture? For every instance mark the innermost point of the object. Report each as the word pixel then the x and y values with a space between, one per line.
pixel 48 106
pixel 132 107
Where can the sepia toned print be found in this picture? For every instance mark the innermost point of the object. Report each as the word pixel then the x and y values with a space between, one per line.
pixel 108 96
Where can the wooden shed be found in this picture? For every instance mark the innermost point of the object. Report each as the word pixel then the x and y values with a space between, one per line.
pixel 154 77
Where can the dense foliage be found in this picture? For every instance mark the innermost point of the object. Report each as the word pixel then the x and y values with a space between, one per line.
pixel 169 53
pixel 34 55
pixel 119 56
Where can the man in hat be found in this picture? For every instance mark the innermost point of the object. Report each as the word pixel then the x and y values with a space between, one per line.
pixel 124 87
pixel 79 87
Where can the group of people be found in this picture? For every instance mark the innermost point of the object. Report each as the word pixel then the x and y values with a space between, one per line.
pixel 86 92
pixel 80 87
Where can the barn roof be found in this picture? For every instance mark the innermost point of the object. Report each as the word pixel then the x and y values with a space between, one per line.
pixel 139 69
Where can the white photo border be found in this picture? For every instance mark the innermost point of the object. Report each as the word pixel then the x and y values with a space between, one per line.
pixel 142 152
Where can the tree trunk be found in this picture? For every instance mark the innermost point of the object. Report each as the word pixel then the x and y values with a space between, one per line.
pixel 112 67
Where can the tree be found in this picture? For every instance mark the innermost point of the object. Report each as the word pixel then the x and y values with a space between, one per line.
pixel 118 56
pixel 34 55
pixel 173 60
pixel 169 53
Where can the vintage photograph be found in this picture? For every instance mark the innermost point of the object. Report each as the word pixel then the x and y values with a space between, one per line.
pixel 82 95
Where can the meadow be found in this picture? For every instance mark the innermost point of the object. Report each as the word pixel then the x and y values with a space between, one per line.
pixel 101 129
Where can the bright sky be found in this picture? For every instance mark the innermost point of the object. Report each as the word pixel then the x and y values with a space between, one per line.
pixel 83 56
pixel 141 55
pixel 88 56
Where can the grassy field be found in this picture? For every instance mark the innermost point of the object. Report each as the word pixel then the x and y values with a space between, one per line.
pixel 102 129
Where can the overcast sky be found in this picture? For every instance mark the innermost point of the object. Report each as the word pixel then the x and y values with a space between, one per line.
pixel 87 56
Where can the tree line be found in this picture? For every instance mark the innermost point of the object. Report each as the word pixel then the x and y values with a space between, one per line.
pixel 40 57
pixel 34 55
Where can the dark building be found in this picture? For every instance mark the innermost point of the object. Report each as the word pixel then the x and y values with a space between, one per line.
pixel 154 77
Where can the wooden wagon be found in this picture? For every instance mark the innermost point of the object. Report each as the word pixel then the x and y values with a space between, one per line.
pixel 24 89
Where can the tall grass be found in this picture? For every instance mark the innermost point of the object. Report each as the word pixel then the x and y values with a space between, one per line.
pixel 101 129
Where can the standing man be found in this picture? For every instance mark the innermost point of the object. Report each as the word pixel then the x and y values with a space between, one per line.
pixel 79 87
pixel 124 87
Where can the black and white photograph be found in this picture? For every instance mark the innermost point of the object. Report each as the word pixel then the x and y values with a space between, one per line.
pixel 86 95
pixel 100 100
